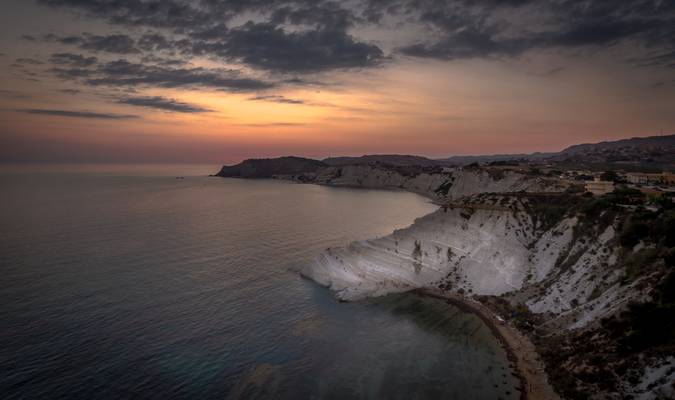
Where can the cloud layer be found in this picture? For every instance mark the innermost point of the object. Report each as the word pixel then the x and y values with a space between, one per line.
pixel 162 103
pixel 126 74
pixel 296 37
pixel 77 114
pixel 256 46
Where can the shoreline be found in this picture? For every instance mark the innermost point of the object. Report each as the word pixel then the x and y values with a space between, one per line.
pixel 528 368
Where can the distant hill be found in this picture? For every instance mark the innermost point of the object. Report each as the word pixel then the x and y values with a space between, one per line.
pixel 666 142
pixel 389 159
pixel 644 153
pixel 652 153
pixel 268 167
pixel 464 160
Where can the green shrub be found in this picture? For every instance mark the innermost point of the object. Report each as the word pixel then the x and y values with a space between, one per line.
pixel 636 263
pixel 652 325
pixel 668 222
pixel 417 251
pixel 633 232
pixel 667 290
pixel 594 207
pixel 669 258
pixel 444 188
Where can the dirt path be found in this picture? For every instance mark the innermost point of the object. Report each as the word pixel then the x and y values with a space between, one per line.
pixel 528 367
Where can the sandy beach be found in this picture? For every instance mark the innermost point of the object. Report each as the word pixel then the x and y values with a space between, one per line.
pixel 528 367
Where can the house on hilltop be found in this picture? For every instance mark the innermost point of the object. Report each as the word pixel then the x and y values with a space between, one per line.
pixel 599 187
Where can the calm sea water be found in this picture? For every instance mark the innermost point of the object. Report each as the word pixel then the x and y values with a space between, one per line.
pixel 126 282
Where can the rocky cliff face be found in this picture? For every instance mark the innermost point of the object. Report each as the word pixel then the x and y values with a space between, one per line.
pixel 562 264
pixel 481 252
pixel 491 246
pixel 433 182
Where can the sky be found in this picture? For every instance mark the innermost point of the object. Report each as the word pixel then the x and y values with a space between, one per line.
pixel 223 80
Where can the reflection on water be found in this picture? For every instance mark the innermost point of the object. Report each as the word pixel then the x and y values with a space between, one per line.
pixel 128 282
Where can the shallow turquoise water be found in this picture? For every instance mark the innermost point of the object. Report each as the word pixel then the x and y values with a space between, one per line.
pixel 125 282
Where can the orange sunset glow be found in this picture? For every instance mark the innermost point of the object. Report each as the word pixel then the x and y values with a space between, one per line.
pixel 78 84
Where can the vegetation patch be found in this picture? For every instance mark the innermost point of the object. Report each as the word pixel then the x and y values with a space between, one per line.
pixel 444 188
pixel 417 251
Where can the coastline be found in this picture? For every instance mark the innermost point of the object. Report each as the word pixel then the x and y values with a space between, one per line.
pixel 528 368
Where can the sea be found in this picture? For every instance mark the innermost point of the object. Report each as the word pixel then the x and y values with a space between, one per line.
pixel 161 282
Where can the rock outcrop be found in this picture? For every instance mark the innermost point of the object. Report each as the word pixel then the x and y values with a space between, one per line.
pixel 270 167
pixel 492 246
pixel 478 251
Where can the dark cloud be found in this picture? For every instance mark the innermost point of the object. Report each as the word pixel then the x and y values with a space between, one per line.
pixel 666 59
pixel 155 42
pixel 119 44
pixel 154 13
pixel 210 32
pixel 71 73
pixel 162 103
pixel 375 10
pixel 77 114
pixel 321 43
pixel 552 72
pixel 277 99
pixel 12 94
pixel 69 91
pixel 28 61
pixel 115 43
pixel 125 73
pixel 594 33
pixel 163 61
pixel 477 30
pixel 70 40
pixel 302 82
pixel 310 36
pixel 76 60
pixel 466 44
pixel 324 15
pixel 178 15
pixel 270 47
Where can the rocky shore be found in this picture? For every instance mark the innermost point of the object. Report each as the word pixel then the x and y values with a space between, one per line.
pixel 528 367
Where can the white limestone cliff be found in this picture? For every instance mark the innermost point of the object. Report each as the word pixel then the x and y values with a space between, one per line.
pixel 485 251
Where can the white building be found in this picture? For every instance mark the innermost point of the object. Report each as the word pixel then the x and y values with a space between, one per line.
pixel 598 187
